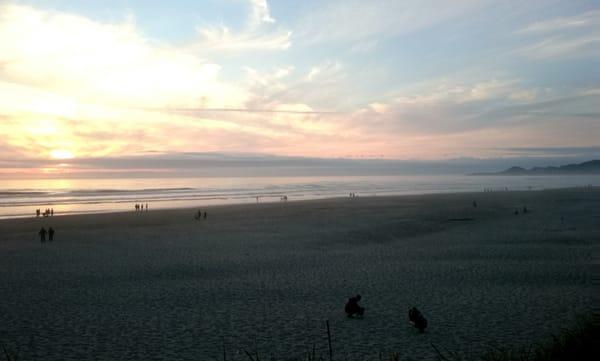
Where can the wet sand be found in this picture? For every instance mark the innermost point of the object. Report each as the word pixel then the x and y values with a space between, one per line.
pixel 162 285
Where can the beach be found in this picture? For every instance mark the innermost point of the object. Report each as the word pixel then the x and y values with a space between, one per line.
pixel 265 277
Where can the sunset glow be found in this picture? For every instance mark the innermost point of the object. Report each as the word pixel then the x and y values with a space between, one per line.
pixel 61 154
pixel 276 78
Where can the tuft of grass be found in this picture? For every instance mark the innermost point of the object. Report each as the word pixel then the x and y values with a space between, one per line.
pixel 9 356
pixel 578 343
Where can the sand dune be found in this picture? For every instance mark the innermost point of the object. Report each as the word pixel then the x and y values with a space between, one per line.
pixel 161 285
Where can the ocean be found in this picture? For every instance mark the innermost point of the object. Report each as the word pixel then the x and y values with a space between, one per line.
pixel 21 198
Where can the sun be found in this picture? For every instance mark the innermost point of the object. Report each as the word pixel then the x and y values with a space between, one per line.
pixel 61 154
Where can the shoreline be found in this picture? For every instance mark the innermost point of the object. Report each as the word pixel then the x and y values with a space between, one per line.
pixel 290 201
pixel 96 196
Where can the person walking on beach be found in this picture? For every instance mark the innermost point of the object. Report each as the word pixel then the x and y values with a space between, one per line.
pixel 204 215
pixel 52 212
pixel 50 234
pixel 353 308
pixel 37 212
pixel 42 234
pixel 146 207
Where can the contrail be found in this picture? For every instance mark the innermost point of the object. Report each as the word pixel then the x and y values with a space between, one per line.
pixel 238 110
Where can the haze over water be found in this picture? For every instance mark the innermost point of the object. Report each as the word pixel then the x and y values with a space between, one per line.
pixel 20 198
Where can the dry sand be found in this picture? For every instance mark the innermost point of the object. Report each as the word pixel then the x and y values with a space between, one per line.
pixel 161 285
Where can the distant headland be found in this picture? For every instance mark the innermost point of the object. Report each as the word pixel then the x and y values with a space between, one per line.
pixel 590 167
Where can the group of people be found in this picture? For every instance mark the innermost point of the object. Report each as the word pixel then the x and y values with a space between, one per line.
pixel 140 207
pixel 415 316
pixel 47 212
pixel 352 195
pixel 490 190
pixel 42 233
pixel 199 215
pixel 525 210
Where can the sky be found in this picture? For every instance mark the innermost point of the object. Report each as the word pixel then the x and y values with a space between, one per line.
pixel 406 80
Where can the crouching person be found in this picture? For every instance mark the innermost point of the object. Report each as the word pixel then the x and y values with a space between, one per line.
pixel 352 307
pixel 417 319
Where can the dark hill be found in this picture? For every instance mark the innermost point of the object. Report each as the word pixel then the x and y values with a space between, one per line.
pixel 590 167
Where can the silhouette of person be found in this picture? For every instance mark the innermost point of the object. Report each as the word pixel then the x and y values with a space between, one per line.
pixel 50 234
pixel 205 215
pixel 42 234
pixel 52 211
pixel 475 204
pixel 416 317
pixel 352 307
pixel 146 207
pixel 37 212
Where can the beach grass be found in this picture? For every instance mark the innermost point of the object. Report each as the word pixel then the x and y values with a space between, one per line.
pixel 579 342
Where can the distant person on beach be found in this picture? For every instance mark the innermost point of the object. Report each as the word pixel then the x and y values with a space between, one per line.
pixel 205 215
pixel 198 215
pixel 137 207
pixel 37 212
pixel 42 234
pixel 146 207
pixel 474 204
pixel 353 308
pixel 50 234
pixel 52 211
pixel 416 318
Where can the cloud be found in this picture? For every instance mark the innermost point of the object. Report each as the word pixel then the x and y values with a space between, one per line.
pixel 65 80
pixel 328 69
pixel 451 116
pixel 356 20
pixel 95 89
pixel 260 13
pixel 99 62
pixel 222 38
pixel 587 19
pixel 564 37
pixel 563 47
pixel 255 36
pixel 322 86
